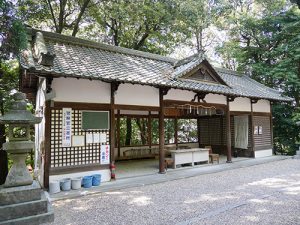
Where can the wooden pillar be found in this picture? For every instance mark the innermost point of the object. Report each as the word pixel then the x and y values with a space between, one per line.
pixel 149 130
pixel 118 134
pixel 176 131
pixel 198 131
pixel 162 92
pixel 271 124
pixel 47 146
pixel 113 88
pixel 252 129
pixel 228 130
pixel 252 125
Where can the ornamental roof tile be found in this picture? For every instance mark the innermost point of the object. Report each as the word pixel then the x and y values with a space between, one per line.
pixel 80 58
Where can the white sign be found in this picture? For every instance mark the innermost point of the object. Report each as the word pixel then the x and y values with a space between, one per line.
pixel 78 140
pixel 66 127
pixel 96 138
pixel 105 151
pixel 103 137
pixel 89 139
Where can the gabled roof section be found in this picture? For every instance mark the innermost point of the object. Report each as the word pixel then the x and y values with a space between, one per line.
pixel 198 69
pixel 71 57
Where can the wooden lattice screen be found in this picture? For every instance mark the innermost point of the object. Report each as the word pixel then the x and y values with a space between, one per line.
pixel 72 156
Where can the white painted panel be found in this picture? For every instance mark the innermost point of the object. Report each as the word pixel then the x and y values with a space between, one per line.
pixel 263 153
pixel 82 90
pixel 180 95
pixel 262 106
pixel 129 94
pixel 217 99
pixel 105 175
pixel 240 104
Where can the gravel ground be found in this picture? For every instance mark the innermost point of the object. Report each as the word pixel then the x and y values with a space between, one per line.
pixel 261 194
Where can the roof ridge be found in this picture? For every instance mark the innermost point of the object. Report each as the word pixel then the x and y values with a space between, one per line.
pixel 107 47
pixel 233 72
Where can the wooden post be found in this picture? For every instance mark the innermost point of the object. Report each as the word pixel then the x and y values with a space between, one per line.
pixel 198 131
pixel 228 130
pixel 149 131
pixel 113 88
pixel 271 124
pixel 176 132
pixel 47 146
pixel 162 92
pixel 118 134
pixel 252 126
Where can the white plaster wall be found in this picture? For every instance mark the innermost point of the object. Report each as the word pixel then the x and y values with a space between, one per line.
pixel 129 94
pixel 263 153
pixel 262 106
pixel 240 104
pixel 105 175
pixel 82 90
pixel 217 99
pixel 40 131
pixel 180 95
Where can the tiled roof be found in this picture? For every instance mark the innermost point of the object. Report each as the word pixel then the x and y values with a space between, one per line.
pixel 79 58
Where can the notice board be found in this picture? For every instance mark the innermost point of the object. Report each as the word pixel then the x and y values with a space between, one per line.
pixel 95 120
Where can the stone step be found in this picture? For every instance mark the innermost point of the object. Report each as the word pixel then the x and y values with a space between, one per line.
pixel 31 220
pixel 24 209
pixel 20 194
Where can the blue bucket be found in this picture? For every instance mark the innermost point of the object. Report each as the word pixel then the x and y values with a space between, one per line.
pixel 87 181
pixel 96 179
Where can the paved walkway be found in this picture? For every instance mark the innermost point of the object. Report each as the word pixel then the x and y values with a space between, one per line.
pixel 264 191
pixel 179 173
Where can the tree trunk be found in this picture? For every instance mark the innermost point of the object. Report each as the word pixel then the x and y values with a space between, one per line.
pixel 128 132
pixel 141 125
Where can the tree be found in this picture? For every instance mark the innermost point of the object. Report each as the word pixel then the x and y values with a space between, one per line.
pixel 266 44
pixel 62 16
pixel 148 25
pixel 12 40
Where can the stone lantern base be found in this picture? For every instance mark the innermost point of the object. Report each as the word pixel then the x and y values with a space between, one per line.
pixel 24 205
pixel 18 174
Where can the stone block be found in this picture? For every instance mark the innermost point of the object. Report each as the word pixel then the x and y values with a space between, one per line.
pixel 14 195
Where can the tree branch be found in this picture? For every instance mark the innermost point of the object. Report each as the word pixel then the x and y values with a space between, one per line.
pixel 82 10
pixel 53 17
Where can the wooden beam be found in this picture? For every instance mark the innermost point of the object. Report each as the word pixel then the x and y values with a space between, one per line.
pixel 170 103
pixel 228 131
pixel 118 133
pixel 162 92
pixel 47 144
pixel 136 107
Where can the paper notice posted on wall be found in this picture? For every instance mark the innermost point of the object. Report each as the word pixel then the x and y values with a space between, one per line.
pixel 96 138
pixel 102 137
pixel 89 138
pixel 105 151
pixel 66 127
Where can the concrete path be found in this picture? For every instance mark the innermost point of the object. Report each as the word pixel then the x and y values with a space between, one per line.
pixel 171 174
pixel 265 191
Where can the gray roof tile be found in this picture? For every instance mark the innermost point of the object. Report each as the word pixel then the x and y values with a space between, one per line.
pixel 80 58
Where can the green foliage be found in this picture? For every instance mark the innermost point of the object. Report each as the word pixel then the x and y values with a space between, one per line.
pixel 12 32
pixel 266 44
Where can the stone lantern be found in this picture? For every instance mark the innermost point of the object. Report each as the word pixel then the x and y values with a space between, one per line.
pixel 19 121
